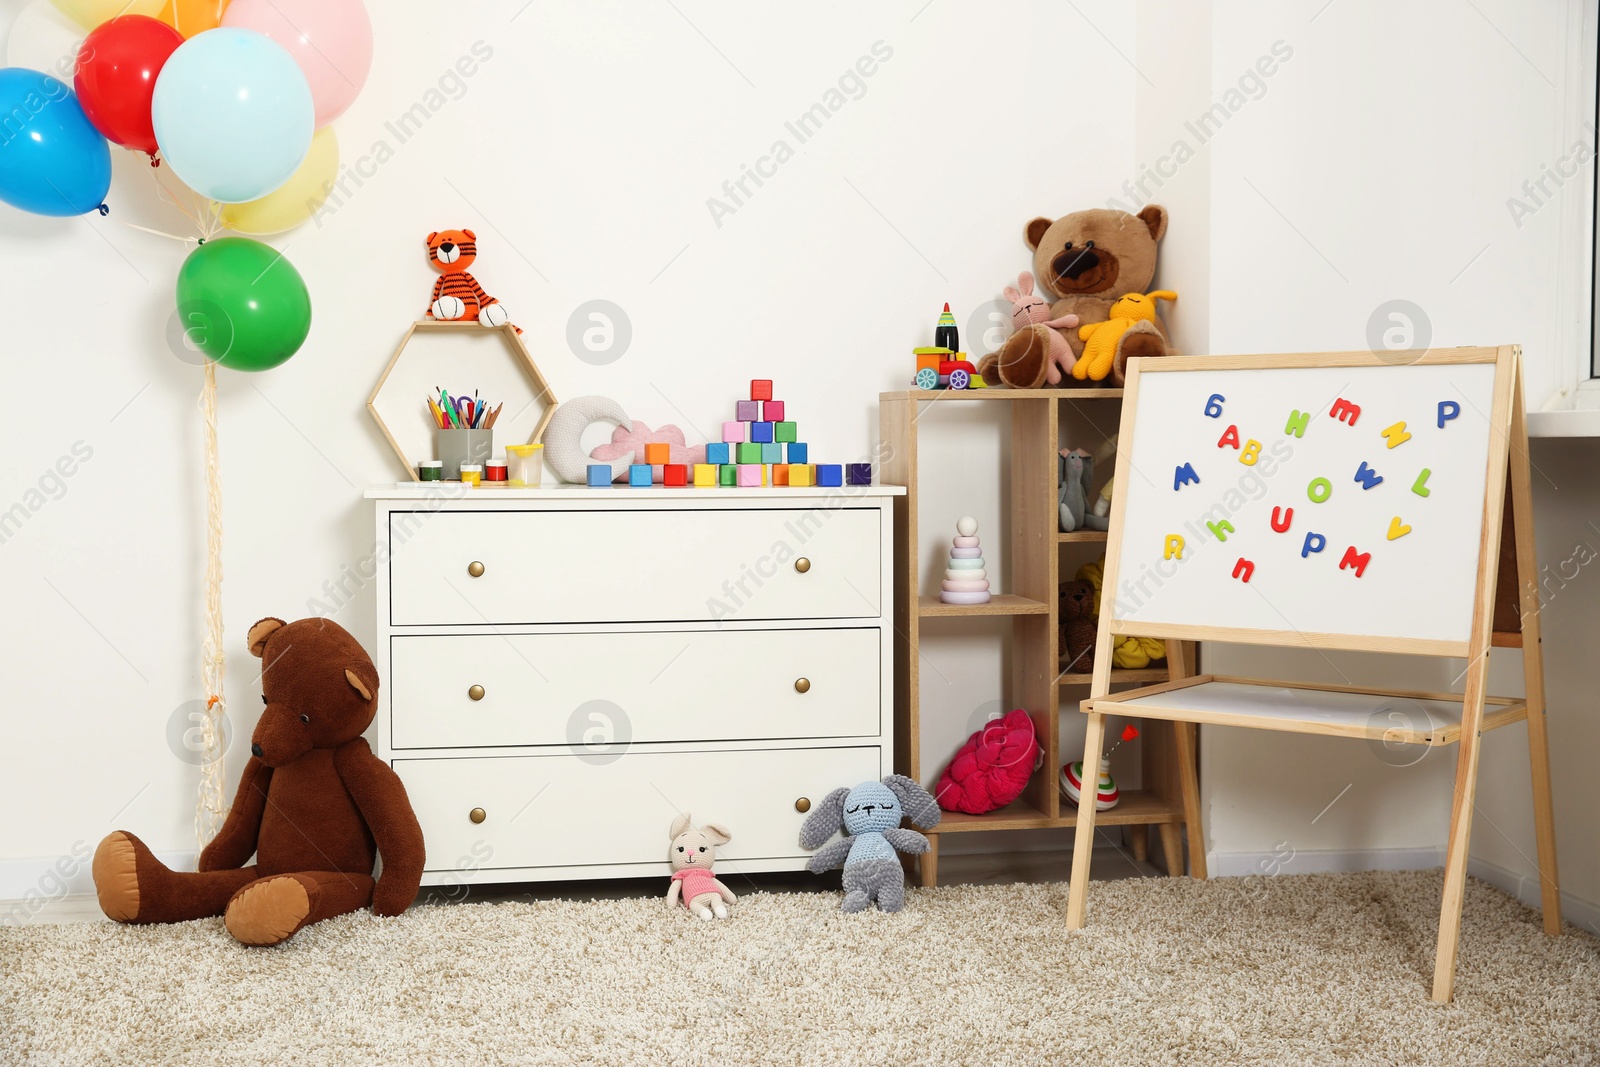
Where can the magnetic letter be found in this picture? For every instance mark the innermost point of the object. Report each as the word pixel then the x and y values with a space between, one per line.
pixel 1357 560
pixel 1214 405
pixel 1397 434
pixel 1251 453
pixel 1397 529
pixel 1183 476
pixel 1174 547
pixel 1420 486
pixel 1246 566
pixel 1297 422
pixel 1220 530
pixel 1367 476
pixel 1319 490
pixel 1345 411
pixel 1448 409
pixel 1308 548
pixel 1281 525
pixel 1230 436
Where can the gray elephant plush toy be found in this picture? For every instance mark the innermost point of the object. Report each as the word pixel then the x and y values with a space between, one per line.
pixel 870 815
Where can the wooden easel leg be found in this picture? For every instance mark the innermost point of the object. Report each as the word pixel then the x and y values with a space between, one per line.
pixel 928 863
pixel 1455 865
pixel 1544 822
pixel 1083 840
pixel 1189 780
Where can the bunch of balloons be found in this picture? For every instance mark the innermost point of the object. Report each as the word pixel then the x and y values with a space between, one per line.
pixel 235 96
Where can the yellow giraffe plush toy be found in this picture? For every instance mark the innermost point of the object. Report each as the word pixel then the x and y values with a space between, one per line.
pixel 1100 338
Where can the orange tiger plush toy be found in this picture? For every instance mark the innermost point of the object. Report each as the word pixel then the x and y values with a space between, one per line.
pixel 457 294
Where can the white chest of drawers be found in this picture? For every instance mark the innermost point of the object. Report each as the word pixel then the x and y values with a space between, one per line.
pixel 564 670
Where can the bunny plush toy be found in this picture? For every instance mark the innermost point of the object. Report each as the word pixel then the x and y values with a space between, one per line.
pixel 692 853
pixel 870 815
pixel 1029 309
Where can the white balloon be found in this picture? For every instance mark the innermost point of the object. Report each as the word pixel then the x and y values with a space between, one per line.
pixel 44 39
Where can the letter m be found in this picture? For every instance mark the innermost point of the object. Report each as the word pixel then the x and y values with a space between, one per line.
pixel 1183 476
pixel 1355 560
pixel 1345 411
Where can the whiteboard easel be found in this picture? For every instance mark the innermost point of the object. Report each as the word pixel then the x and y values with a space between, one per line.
pixel 1330 501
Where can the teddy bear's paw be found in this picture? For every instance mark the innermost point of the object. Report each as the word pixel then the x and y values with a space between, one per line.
pixel 268 911
pixel 494 315
pixel 449 308
pixel 855 901
pixel 116 877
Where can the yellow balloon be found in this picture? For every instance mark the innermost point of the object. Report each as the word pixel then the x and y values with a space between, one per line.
pixel 190 17
pixel 295 200
pixel 91 13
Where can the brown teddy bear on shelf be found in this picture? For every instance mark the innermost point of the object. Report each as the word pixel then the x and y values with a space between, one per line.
pixel 1087 261
pixel 315 807
pixel 1075 609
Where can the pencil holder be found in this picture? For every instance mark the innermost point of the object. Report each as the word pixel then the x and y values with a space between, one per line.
pixel 463 446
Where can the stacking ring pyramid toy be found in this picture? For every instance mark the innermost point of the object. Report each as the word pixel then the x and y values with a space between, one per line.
pixel 965 580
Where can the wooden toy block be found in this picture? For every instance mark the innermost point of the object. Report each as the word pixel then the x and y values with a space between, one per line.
pixel 761 389
pixel 800 474
pixel 751 474
pixel 748 452
pixel 599 475
pixel 761 432
pixel 772 452
pixel 717 452
pixel 858 474
pixel 795 452
pixel 728 475
pixel 786 432
pixel 641 475
pixel 705 475
pixel 734 432
pixel 747 410
pixel 780 474
pixel 830 474
pixel 657 453
pixel 772 411
pixel 674 474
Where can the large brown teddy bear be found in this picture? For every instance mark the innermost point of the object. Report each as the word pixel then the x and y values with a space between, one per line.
pixel 314 807
pixel 1086 260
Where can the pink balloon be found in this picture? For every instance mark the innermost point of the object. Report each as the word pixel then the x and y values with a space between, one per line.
pixel 331 40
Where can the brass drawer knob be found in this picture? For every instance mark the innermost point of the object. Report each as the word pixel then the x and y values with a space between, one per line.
pixel 477 815
pixel 803 805
pixel 802 685
pixel 476 692
pixel 475 569
pixel 802 564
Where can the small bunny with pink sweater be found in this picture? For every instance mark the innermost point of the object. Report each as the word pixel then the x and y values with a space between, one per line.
pixel 691 854
pixel 1028 311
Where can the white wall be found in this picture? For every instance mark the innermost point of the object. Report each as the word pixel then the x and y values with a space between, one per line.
pixel 583 152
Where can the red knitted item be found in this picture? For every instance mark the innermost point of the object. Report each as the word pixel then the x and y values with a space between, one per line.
pixel 991 769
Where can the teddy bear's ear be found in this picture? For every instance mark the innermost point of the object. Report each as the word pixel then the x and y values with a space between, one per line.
pixel 1154 216
pixel 256 639
pixel 365 686
pixel 1034 231
pixel 470 235
pixel 679 825
pixel 717 832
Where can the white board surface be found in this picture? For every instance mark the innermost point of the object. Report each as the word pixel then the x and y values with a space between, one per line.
pixel 1420 584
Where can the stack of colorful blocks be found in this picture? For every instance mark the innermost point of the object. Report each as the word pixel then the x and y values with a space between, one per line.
pixel 759 447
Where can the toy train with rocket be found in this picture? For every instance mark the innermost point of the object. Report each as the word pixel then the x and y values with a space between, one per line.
pixel 944 365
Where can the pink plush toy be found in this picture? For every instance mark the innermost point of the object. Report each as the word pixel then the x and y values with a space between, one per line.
pixel 633 439
pixel 1029 309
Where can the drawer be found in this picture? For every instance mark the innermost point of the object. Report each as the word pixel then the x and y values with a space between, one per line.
pixel 561 811
pixel 620 566
pixel 453 691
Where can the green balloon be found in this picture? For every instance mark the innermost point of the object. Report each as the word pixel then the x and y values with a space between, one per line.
pixel 242 304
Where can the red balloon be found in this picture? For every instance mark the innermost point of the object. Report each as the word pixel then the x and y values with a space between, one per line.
pixel 117 67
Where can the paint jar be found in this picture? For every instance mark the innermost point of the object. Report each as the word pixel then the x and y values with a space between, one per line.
pixel 430 470
pixel 495 471
pixel 471 473
pixel 524 465
pixel 463 446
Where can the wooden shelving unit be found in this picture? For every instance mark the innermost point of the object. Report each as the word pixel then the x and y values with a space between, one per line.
pixel 1036 550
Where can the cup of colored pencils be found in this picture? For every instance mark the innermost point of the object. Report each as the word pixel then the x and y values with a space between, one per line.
pixel 464 427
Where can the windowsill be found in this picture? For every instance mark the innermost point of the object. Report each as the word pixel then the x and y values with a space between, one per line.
pixel 1575 422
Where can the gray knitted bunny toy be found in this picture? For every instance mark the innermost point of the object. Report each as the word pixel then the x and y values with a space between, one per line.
pixel 1075 471
pixel 870 814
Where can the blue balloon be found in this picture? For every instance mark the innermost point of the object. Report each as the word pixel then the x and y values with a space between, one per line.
pixel 233 114
pixel 52 161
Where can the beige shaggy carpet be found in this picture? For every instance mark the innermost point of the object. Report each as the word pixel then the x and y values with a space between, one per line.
pixel 1294 970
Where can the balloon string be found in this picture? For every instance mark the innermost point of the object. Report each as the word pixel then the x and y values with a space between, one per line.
pixel 211 804
pixel 158 233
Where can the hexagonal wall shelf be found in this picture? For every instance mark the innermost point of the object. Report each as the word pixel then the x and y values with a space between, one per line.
pixel 459 357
